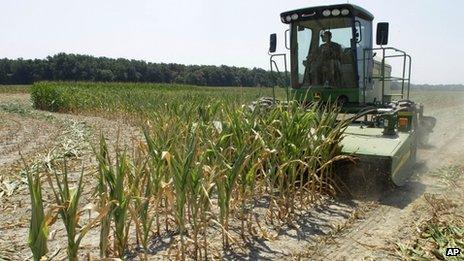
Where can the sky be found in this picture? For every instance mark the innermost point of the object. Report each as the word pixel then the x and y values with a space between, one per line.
pixel 216 32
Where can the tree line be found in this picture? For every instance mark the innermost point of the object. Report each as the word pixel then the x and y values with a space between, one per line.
pixel 75 67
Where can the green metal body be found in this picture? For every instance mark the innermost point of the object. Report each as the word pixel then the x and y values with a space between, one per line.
pixel 371 144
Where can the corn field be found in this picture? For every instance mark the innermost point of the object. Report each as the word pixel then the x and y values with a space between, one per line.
pixel 136 98
pixel 210 171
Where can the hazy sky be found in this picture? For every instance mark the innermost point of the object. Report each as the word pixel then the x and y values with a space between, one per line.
pixel 218 32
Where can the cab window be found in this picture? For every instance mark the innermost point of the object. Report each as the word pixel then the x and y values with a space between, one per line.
pixel 325 60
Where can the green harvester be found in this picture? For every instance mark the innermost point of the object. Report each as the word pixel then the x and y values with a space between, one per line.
pixel 332 60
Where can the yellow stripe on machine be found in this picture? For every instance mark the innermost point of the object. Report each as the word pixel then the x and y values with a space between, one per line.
pixel 403 161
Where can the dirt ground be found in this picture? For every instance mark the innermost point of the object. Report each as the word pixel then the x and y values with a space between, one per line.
pixel 339 229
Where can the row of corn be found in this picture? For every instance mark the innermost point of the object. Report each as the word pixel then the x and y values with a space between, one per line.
pixel 134 98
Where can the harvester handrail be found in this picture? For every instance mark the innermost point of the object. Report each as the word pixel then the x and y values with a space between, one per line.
pixel 406 78
pixel 273 64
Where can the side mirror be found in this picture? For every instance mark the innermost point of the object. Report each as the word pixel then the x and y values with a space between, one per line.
pixel 382 33
pixel 272 43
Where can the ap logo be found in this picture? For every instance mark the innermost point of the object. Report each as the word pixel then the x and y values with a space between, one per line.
pixel 452 251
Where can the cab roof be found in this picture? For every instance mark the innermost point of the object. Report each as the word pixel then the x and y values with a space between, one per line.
pixel 316 12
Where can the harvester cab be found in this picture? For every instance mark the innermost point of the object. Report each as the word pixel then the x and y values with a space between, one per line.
pixel 332 57
pixel 333 60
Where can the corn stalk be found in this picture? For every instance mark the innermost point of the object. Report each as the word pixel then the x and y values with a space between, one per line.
pixel 67 200
pixel 39 223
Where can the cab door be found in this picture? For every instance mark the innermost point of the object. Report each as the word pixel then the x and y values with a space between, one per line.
pixel 365 60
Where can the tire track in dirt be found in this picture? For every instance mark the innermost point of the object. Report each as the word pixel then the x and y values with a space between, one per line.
pixel 25 135
pixel 9 128
pixel 18 131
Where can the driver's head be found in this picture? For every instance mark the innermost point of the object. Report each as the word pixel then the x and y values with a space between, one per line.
pixel 326 36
